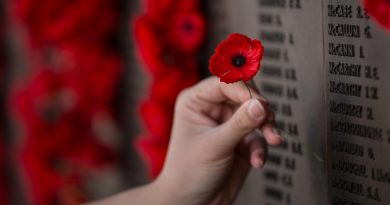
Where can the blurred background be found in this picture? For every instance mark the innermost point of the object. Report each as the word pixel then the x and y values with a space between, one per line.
pixel 87 92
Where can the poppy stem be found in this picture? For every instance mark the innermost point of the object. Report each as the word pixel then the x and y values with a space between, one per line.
pixel 308 148
pixel 249 90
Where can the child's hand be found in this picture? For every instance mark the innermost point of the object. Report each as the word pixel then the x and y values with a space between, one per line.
pixel 213 143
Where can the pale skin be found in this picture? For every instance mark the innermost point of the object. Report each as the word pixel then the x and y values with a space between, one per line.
pixel 214 143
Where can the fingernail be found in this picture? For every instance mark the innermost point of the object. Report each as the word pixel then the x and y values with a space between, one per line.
pixel 277 133
pixel 255 110
pixel 257 163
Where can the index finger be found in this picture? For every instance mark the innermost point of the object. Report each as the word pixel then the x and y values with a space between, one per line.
pixel 213 91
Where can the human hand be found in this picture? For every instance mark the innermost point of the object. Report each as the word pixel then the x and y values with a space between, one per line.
pixel 213 143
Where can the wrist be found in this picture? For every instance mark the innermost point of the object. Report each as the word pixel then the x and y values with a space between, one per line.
pixel 170 192
pixel 165 191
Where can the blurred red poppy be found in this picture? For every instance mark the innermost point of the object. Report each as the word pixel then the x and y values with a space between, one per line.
pixel 187 31
pixel 150 46
pixel 55 21
pixel 237 58
pixel 380 10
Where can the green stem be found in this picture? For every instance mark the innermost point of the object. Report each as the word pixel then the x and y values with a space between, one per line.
pixel 249 90
pixel 308 148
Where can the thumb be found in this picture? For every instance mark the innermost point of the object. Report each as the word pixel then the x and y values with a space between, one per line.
pixel 245 120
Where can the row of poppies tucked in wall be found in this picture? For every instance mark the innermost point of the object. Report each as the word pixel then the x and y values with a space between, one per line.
pixel 168 35
pixel 66 94
pixel 67 90
pixel 3 157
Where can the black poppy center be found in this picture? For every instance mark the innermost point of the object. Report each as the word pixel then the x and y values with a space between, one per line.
pixel 188 27
pixel 238 61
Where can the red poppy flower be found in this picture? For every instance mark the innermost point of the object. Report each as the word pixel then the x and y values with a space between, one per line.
pixel 187 31
pixel 380 10
pixel 237 58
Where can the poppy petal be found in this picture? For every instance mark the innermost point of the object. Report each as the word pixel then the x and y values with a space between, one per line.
pixel 232 76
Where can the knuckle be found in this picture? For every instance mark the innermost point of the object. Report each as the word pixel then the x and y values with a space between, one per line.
pixel 183 95
pixel 181 100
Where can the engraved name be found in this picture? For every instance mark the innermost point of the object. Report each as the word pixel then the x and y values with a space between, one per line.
pixel 346 89
pixel 343 50
pixel 347 69
pixel 272 71
pixel 273 3
pixel 346 109
pixel 272 36
pixel 350 168
pixel 365 131
pixel 347 148
pixel 272 54
pixel 344 30
pixel 343 201
pixel 343 11
pixel 345 185
pixel 272 89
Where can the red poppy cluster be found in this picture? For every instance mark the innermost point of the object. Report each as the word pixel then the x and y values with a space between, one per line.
pixel 73 73
pixel 3 164
pixel 168 36
pixel 3 177
pixel 380 10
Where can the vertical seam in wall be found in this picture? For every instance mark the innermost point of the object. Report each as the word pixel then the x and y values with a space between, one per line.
pixel 326 103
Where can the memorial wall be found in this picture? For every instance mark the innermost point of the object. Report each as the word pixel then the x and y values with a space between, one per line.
pixel 324 71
